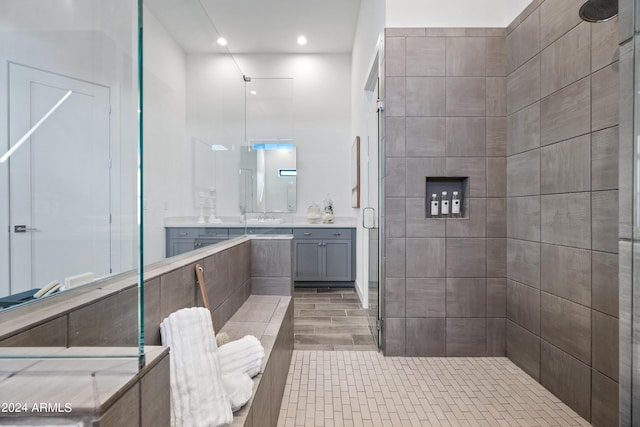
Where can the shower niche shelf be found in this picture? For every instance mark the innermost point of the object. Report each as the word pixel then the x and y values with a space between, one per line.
pixel 436 185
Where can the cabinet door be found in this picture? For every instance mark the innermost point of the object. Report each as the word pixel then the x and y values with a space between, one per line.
pixel 308 258
pixel 337 260
pixel 179 246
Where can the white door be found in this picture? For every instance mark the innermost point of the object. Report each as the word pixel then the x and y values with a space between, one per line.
pixel 59 179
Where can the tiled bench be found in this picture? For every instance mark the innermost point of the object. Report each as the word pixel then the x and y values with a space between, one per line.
pixel 270 319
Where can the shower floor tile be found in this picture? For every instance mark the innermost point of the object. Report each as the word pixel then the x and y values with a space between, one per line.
pixel 354 388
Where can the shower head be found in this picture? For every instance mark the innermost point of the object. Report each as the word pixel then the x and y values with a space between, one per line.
pixel 599 10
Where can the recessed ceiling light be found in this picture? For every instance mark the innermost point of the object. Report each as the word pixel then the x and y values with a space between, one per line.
pixel 253 92
pixel 302 40
pixel 222 41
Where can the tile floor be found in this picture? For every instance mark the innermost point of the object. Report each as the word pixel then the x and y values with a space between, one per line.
pixel 330 319
pixel 351 388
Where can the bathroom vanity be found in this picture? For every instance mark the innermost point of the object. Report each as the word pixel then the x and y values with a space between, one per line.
pixel 323 252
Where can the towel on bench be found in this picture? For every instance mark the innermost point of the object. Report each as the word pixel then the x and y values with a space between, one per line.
pixel 245 354
pixel 198 397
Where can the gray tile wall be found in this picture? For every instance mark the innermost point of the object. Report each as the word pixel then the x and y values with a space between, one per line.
pixel 562 205
pixel 446 104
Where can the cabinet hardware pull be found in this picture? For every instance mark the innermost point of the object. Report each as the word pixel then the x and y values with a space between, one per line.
pixel 307 234
pixel 337 234
pixel 183 233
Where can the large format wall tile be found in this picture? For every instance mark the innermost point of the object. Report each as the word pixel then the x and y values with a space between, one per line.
pixel 604 44
pixel 523 306
pixel 523 261
pixel 425 337
pixel 416 222
pixel 426 56
pixel 566 113
pixel 604 208
pixel 466 96
pixel 605 98
pixel 394 54
pixel 474 225
pixel 496 136
pixel 523 42
pixel 395 93
pixel 496 56
pixel 557 17
pixel 395 257
pixel 395 136
pixel 426 137
pixel 466 297
pixel 496 337
pixel 604 282
pixel 604 400
pixel 605 344
pixel 523 86
pixel 417 170
pixel 394 336
pixel 466 56
pixel 473 167
pixel 566 325
pixel 466 258
pixel 466 136
pixel 566 219
pixel 394 218
pixel 496 218
pixel 395 177
pixel 496 297
pixel 425 96
pixel 565 166
pixel 496 96
pixel 496 177
pixel 566 272
pixel 523 349
pixel 466 337
pixel 523 218
pixel 523 130
pixel 523 174
pixel 604 159
pixel 566 60
pixel 394 297
pixel 425 258
pixel 567 378
pixel 496 257
pixel 426 297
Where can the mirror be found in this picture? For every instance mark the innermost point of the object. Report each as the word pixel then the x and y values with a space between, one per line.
pixel 269 168
pixel 269 174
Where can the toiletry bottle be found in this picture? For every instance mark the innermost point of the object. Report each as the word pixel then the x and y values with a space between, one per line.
pixel 444 204
pixel 455 205
pixel 434 206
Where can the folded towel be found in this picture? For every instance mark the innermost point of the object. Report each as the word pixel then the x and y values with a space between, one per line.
pixel 198 397
pixel 239 388
pixel 245 354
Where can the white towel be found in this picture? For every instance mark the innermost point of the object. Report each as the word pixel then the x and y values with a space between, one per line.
pixel 245 354
pixel 198 398
pixel 239 388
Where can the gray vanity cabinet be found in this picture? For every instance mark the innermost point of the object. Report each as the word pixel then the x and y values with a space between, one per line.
pixel 324 254
pixel 321 254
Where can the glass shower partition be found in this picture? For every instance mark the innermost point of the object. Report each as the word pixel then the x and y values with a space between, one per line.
pixel 69 168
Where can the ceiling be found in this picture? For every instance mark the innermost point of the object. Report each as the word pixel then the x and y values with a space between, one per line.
pixel 260 26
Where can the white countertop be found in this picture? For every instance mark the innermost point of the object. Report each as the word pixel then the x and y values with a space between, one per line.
pixel 297 222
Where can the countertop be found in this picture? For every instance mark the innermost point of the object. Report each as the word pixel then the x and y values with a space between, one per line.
pixel 297 222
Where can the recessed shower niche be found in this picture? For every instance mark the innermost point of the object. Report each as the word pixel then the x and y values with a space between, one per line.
pixel 446 197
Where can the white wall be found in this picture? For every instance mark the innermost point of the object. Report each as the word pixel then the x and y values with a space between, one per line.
pixel 452 13
pixel 371 23
pixel 167 155
pixel 90 40
pixel 321 122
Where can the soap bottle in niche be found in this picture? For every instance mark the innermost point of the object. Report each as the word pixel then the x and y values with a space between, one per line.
pixel 455 205
pixel 435 208
pixel 444 204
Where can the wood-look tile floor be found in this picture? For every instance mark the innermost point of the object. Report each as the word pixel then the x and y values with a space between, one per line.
pixel 351 388
pixel 330 319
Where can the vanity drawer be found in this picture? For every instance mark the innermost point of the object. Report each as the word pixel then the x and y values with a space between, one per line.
pixel 182 233
pixel 322 233
pixel 214 233
pixel 268 230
